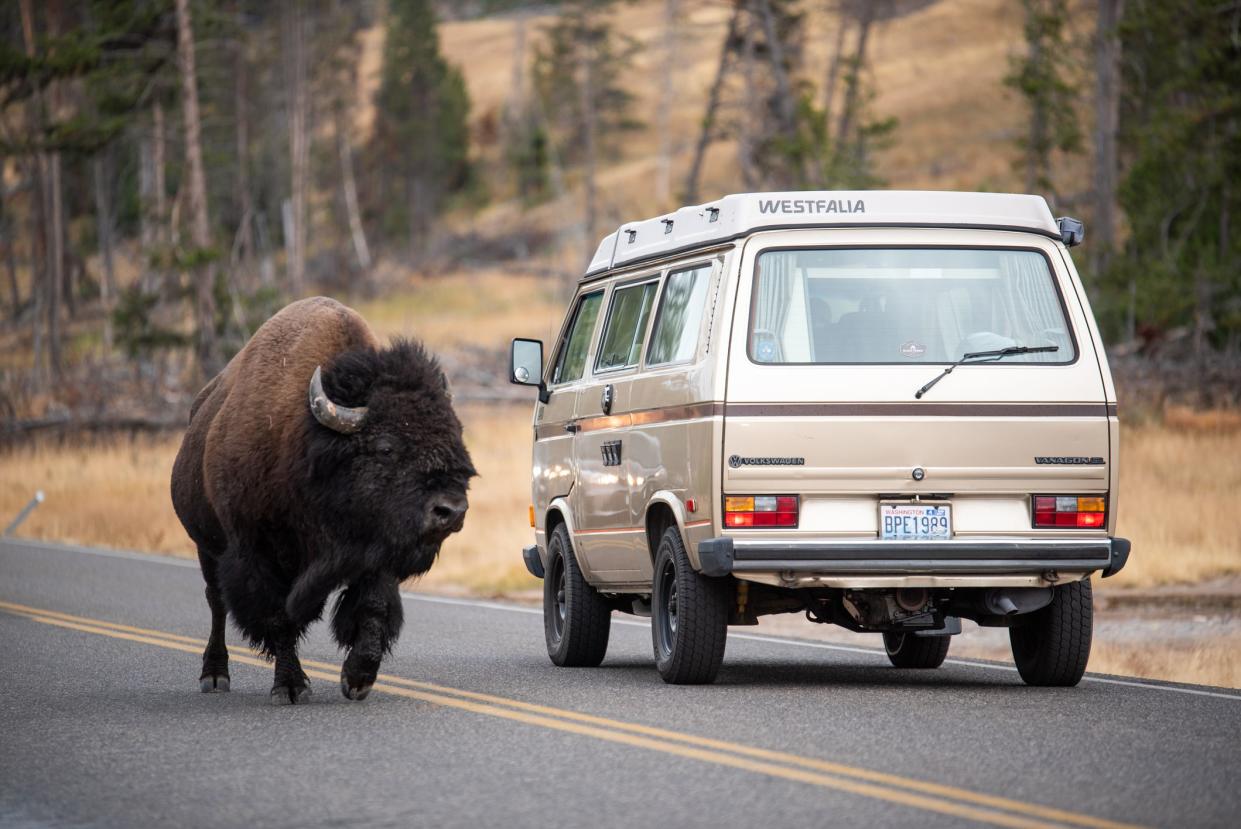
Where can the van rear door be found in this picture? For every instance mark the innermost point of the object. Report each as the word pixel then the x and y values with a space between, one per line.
pixel 834 332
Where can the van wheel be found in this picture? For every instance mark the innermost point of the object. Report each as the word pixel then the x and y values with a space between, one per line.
pixel 689 616
pixel 1051 646
pixel 908 651
pixel 576 619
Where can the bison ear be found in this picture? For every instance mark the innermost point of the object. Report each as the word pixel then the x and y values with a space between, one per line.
pixel 341 419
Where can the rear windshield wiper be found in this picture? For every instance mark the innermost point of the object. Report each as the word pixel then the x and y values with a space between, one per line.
pixel 986 356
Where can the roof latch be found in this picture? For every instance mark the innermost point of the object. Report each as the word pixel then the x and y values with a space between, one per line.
pixel 713 214
pixel 667 226
pixel 633 235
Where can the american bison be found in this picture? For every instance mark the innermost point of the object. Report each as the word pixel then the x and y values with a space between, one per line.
pixel 316 460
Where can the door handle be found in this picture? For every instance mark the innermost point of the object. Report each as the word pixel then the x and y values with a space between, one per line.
pixel 573 428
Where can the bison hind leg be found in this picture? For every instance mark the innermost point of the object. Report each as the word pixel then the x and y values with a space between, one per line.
pixel 214 678
pixel 366 620
pixel 256 598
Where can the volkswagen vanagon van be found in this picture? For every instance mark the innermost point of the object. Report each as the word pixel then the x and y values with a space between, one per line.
pixel 889 411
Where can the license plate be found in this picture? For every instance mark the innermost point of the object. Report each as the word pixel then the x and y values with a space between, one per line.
pixel 915 522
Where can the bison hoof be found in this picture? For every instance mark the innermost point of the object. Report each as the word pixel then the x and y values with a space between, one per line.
pixel 290 694
pixel 214 684
pixel 358 692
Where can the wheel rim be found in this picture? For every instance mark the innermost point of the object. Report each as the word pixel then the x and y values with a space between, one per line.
pixel 668 608
pixel 559 611
pixel 895 644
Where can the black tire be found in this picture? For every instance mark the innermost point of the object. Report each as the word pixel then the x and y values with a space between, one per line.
pixel 1051 646
pixel 908 651
pixel 689 616
pixel 576 619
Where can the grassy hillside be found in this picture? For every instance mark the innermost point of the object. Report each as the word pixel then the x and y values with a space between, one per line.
pixel 938 69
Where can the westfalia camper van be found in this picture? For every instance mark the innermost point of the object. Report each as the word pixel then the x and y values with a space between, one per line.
pixel 890 411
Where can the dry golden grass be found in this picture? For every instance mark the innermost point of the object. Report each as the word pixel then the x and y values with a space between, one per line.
pixel 1179 501
pixel 107 495
pixel 116 495
pixel 1178 506
pixel 483 309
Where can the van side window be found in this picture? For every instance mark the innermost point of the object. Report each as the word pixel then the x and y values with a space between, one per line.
pixel 621 346
pixel 679 317
pixel 571 361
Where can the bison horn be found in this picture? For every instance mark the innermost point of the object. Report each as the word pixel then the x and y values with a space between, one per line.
pixel 338 418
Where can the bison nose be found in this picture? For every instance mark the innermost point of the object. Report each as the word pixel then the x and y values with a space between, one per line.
pixel 448 512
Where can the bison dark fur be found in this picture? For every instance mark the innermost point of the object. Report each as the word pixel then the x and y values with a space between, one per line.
pixel 287 501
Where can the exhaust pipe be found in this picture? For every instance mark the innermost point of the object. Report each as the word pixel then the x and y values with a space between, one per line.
pixel 1005 605
pixel 1013 600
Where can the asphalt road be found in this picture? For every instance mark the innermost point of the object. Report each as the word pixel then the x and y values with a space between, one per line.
pixel 102 724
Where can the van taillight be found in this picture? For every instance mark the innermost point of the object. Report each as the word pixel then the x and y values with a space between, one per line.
pixel 760 511
pixel 1070 511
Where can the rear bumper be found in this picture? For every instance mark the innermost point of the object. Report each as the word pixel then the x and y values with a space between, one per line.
pixel 725 556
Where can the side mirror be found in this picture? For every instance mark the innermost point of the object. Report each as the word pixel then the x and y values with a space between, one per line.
pixel 526 365
pixel 1072 231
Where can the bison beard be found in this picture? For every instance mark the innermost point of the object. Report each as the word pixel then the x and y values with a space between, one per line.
pixel 318 460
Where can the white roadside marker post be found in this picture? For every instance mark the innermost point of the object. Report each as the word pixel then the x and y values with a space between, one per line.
pixel 25 513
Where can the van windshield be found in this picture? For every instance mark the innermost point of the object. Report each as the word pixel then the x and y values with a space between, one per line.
pixel 929 305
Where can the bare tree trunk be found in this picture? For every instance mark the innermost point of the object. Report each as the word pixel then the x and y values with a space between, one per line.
pixel 200 224
pixel 586 57
pixel 295 36
pixel 56 263
pixel 775 52
pixel 49 279
pixel 39 213
pixel 667 92
pixel 745 138
pixel 833 72
pixel 853 80
pixel 10 256
pixel 159 158
pixel 707 130
pixel 515 105
pixel 1107 118
pixel 245 205
pixel 103 220
pixel 349 189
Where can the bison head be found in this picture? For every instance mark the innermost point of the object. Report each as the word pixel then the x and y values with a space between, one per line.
pixel 388 470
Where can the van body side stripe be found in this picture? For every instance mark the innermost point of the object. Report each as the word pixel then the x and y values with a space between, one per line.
pixel 917 410
pixel 703 410
pixel 643 417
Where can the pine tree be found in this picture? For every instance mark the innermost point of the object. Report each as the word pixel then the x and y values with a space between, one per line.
pixel 1039 76
pixel 577 76
pixel 419 153
pixel 1180 130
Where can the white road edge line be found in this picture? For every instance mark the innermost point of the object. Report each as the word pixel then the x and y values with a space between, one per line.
pixel 774 640
pixel 425 597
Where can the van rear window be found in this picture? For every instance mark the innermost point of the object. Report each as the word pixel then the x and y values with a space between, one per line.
pixel 888 305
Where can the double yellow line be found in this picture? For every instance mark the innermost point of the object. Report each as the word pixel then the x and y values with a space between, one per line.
pixel 919 794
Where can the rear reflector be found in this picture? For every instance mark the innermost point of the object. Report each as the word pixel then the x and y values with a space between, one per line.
pixel 760 511
pixel 1086 511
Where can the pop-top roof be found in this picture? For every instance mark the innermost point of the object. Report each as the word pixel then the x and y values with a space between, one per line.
pixel 743 213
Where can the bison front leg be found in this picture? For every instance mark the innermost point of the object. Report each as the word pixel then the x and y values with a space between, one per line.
pixel 367 620
pixel 291 685
pixel 214 678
